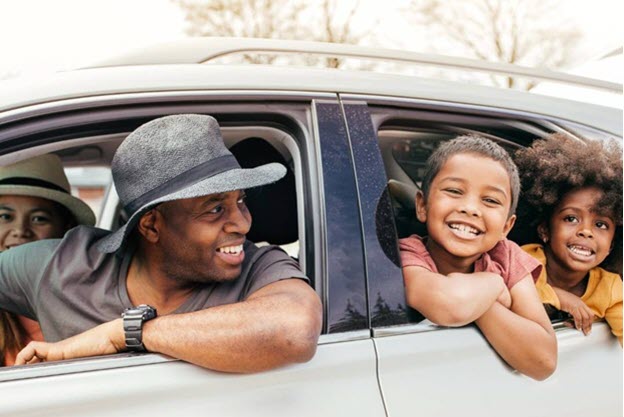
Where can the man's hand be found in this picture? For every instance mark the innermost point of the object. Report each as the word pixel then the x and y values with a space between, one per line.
pixel 573 305
pixel 104 339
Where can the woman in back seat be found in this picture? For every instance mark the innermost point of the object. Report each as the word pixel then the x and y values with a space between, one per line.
pixel 35 204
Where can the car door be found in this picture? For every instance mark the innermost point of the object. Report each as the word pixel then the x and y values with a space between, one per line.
pixel 425 369
pixel 340 380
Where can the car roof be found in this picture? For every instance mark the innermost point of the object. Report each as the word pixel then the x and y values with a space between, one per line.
pixel 127 75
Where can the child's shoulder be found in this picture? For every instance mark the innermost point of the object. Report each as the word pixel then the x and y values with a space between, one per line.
pixel 413 243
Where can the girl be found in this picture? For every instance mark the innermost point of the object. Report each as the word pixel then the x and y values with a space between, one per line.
pixel 35 203
pixel 573 190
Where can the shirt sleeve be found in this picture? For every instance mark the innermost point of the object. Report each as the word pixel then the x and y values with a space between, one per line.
pixel 271 266
pixel 415 253
pixel 20 275
pixel 515 263
pixel 613 314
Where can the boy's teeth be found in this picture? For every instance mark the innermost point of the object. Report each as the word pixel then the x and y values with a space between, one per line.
pixel 579 250
pixel 464 228
pixel 231 249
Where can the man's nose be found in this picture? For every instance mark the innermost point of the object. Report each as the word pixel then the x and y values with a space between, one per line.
pixel 239 221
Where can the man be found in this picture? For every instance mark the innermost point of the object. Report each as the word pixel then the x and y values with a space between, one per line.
pixel 195 288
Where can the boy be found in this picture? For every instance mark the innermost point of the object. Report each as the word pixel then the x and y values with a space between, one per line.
pixel 466 270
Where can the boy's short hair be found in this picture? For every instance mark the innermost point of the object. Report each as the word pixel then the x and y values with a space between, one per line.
pixel 477 145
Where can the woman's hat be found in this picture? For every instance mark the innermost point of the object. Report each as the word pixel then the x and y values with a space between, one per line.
pixel 43 176
pixel 173 158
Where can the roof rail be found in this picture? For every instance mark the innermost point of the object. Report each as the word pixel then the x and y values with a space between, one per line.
pixel 204 49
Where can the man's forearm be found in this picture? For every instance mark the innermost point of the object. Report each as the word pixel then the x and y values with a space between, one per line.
pixel 261 333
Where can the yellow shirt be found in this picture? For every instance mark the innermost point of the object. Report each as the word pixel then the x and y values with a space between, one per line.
pixel 603 294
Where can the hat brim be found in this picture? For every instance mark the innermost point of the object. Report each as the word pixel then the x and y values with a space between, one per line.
pixel 235 179
pixel 79 209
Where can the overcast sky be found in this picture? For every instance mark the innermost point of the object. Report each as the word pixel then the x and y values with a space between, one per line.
pixel 39 36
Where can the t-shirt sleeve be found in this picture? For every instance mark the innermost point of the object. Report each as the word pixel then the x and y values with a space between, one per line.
pixel 515 264
pixel 613 314
pixel 271 266
pixel 21 273
pixel 415 253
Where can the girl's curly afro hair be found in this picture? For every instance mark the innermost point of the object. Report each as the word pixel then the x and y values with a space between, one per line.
pixel 559 163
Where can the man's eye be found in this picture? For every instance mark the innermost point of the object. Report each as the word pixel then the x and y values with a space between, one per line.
pixel 40 220
pixel 216 210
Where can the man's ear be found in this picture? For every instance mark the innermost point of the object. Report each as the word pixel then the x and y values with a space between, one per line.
pixel 149 225
pixel 543 232
pixel 421 207
pixel 509 224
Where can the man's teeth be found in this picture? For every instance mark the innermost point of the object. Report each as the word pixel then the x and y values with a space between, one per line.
pixel 579 250
pixel 231 249
pixel 464 228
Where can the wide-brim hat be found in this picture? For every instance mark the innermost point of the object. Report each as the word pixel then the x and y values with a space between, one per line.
pixel 173 158
pixel 43 176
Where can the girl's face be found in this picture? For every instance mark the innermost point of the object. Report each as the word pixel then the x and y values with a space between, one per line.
pixel 25 219
pixel 577 238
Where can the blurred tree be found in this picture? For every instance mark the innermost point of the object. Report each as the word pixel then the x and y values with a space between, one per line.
pixel 326 21
pixel 523 32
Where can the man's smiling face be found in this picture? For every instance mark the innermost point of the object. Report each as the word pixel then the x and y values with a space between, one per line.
pixel 467 209
pixel 202 238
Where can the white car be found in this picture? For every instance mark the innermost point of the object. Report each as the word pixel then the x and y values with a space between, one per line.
pixel 343 135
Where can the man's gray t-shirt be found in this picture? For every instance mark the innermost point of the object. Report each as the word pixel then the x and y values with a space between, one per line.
pixel 69 286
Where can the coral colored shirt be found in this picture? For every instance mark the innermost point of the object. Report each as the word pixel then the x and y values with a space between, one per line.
pixel 603 294
pixel 505 259
pixel 33 332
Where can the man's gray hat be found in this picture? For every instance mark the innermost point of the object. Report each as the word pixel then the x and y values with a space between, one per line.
pixel 172 158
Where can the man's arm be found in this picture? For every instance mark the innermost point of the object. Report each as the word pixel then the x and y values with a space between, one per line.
pixel 455 299
pixel 277 325
pixel 522 335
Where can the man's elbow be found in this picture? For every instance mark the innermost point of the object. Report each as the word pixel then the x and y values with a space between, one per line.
pixel 303 331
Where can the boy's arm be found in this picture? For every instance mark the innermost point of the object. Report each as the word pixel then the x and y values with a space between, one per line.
pixel 522 335
pixel 583 316
pixel 455 299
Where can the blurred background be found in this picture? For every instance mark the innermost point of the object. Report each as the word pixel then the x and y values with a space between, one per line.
pixel 579 36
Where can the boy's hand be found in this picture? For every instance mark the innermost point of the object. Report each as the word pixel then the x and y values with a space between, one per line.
pixel 573 305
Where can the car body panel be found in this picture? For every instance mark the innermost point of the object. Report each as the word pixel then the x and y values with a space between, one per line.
pixel 454 372
pixel 179 78
pixel 342 373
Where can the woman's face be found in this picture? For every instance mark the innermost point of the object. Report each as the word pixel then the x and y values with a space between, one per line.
pixel 25 219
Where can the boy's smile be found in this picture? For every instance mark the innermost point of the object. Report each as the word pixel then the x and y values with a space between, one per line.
pixel 467 210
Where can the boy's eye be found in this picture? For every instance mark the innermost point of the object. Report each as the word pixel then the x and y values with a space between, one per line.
pixel 492 201
pixel 6 217
pixel 453 191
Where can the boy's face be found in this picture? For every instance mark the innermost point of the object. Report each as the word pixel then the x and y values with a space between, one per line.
pixel 467 209
pixel 577 238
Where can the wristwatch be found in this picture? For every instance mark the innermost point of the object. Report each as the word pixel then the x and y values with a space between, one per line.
pixel 133 319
